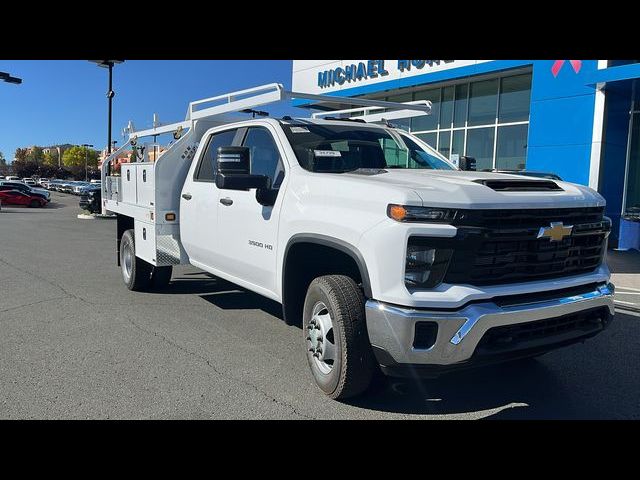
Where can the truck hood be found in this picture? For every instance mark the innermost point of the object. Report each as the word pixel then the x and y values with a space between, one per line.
pixel 460 189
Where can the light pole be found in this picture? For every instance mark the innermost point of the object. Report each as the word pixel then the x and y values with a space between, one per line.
pixel 86 158
pixel 110 94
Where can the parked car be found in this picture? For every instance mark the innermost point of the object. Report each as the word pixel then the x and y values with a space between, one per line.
pixel 18 197
pixel 66 187
pixel 78 186
pixel 95 181
pixel 12 178
pixel 91 200
pixel 84 189
pixel 23 187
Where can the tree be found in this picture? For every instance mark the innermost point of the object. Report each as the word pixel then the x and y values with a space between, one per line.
pixel 74 160
pixel 24 169
pixel 4 168
pixel 36 155
pixel 50 158
pixel 21 154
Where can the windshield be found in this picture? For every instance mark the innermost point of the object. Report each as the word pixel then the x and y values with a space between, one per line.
pixel 344 148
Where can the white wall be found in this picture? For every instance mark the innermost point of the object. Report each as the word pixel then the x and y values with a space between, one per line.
pixel 305 72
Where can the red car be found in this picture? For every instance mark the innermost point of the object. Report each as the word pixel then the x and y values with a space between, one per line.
pixel 16 197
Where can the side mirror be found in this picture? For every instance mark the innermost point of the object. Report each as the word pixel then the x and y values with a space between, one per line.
pixel 467 164
pixel 233 170
pixel 233 160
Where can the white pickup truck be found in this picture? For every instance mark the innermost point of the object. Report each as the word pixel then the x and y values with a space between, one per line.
pixel 390 257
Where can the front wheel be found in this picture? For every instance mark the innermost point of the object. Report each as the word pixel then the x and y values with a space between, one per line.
pixel 35 204
pixel 336 338
pixel 136 273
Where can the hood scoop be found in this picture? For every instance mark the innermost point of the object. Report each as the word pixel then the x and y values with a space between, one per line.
pixel 520 185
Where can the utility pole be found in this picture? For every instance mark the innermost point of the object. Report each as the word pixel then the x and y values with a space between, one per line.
pixel 86 160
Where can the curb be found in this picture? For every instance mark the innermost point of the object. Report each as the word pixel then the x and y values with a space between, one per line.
pixel 628 308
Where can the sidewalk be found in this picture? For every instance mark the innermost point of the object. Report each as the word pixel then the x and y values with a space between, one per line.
pixel 625 275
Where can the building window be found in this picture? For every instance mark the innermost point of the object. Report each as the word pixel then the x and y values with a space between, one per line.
pixel 511 147
pixel 486 119
pixel 515 98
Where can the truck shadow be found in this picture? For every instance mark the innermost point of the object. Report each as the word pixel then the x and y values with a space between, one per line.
pixel 588 381
pixel 221 293
pixel 526 389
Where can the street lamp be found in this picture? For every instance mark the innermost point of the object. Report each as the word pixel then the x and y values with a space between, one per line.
pixel 110 93
pixel 86 158
pixel 9 79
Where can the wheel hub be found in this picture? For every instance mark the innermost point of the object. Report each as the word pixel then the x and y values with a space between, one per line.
pixel 320 341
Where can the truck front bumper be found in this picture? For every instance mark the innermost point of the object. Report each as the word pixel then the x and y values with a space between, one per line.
pixel 484 332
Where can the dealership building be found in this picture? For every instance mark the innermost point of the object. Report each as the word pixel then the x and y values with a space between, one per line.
pixel 575 118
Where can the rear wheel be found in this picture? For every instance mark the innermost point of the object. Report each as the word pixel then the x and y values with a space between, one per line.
pixel 136 273
pixel 336 338
pixel 161 276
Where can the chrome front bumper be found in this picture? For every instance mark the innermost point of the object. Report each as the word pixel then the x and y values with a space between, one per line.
pixel 391 328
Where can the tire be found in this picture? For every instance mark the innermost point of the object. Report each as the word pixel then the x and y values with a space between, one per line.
pixel 161 276
pixel 136 273
pixel 35 204
pixel 350 371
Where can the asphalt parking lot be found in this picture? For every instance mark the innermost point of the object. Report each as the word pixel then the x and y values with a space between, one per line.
pixel 75 343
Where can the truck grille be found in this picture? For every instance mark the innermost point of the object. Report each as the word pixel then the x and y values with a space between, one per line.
pixel 543 332
pixel 496 247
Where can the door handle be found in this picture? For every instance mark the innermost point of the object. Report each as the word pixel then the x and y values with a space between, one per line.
pixel 186 196
pixel 226 201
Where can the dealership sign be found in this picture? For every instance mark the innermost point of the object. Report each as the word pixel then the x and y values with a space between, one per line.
pixel 320 76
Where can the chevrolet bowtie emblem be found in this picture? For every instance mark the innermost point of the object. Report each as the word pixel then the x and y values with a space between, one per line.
pixel 556 232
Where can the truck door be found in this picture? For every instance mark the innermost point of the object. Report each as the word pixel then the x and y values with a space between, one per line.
pixel 199 203
pixel 248 230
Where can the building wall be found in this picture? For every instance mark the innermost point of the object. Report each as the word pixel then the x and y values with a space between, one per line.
pixel 561 112
pixel 561 120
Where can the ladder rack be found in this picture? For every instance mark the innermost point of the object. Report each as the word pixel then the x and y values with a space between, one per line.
pixel 235 102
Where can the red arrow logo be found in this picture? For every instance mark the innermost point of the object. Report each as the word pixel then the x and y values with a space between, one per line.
pixel 557 66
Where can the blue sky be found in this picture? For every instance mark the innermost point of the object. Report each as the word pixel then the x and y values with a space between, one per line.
pixel 64 101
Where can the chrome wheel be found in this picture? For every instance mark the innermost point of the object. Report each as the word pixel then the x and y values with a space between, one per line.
pixel 320 338
pixel 126 261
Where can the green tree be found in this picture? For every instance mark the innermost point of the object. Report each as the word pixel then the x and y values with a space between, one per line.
pixel 50 158
pixel 74 159
pixel 36 155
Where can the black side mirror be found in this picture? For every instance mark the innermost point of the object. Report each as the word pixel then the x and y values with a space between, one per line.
pixel 467 164
pixel 234 170
pixel 233 160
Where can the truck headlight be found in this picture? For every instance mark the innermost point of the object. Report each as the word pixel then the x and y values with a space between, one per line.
pixel 408 213
pixel 425 265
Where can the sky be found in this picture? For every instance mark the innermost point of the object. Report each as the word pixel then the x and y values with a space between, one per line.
pixel 64 101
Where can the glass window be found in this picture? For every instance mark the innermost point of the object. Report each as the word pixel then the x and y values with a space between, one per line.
pixel 430 138
pixel 265 157
pixel 403 123
pixel 446 107
pixel 633 176
pixel 515 98
pixel 480 146
pixel 394 156
pixel 443 142
pixel 427 122
pixel 483 102
pixel 511 147
pixel 205 172
pixel 460 105
pixel 457 145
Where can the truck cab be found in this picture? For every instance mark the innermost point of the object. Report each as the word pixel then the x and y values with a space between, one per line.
pixel 389 257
